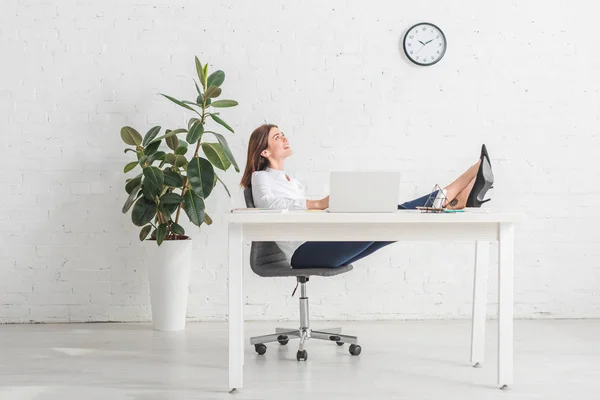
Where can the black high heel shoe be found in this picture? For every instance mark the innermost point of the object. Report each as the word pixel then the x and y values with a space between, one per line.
pixel 483 182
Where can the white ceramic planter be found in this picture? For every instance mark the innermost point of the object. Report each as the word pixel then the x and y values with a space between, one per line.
pixel 168 267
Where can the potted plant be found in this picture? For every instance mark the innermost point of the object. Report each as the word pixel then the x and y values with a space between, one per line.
pixel 178 177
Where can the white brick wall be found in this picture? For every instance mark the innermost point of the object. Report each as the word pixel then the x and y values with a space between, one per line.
pixel 521 77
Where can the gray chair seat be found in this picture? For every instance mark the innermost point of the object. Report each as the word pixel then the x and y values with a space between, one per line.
pixel 267 260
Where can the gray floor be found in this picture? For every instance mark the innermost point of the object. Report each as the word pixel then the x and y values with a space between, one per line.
pixel 400 360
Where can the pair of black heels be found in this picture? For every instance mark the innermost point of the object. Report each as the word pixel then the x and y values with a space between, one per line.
pixel 483 182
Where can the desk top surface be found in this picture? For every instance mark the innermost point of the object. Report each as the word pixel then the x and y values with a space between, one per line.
pixel 477 215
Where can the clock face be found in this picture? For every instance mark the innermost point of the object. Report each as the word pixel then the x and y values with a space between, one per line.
pixel 424 44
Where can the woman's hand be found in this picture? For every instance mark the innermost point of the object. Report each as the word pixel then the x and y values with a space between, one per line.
pixel 318 204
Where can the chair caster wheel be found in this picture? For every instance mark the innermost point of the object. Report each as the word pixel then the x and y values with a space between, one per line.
pixel 339 343
pixel 301 355
pixel 260 348
pixel 283 340
pixel 354 349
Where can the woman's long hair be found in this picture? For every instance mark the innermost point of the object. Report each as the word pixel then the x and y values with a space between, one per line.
pixel 259 141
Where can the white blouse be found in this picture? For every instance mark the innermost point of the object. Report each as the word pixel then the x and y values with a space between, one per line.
pixel 272 189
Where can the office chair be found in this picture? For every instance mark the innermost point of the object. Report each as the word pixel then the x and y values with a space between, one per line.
pixel 267 260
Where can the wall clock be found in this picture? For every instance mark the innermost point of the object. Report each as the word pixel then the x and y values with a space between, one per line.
pixel 424 44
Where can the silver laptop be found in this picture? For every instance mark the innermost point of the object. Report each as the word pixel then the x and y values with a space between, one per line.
pixel 362 191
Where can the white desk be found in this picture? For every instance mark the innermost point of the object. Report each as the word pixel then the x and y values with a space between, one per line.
pixel 479 225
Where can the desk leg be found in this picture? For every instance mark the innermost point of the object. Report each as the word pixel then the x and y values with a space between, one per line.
pixel 482 256
pixel 236 316
pixel 505 305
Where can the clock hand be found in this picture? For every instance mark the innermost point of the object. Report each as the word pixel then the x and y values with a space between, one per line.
pixel 422 43
pixel 429 41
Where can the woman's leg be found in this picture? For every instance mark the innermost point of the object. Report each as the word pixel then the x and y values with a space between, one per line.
pixel 461 183
pixel 457 192
pixel 460 201
pixel 369 250
pixel 327 254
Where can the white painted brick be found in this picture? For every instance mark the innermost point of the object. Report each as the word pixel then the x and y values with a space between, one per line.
pixel 16 313
pixel 344 102
pixel 49 313
pixel 40 299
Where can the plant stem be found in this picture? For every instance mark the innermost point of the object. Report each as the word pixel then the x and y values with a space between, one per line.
pixel 185 183
pixel 181 204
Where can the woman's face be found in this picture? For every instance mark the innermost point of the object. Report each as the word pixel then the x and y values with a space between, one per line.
pixel 279 147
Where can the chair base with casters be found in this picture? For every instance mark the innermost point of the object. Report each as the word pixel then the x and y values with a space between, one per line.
pixel 283 335
pixel 267 260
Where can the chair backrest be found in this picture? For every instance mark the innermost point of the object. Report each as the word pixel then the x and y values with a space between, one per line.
pixel 264 255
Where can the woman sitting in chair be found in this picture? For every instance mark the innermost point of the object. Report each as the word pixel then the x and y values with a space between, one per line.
pixel 273 188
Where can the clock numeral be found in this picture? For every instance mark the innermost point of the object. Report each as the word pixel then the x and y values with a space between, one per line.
pixel 424 28
pixel 411 52
pixel 409 45
pixel 412 37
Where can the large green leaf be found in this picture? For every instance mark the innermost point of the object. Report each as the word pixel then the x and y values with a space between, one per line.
pixel 129 166
pixel 150 135
pixel 131 199
pixel 195 133
pixel 172 142
pixel 181 150
pixel 169 209
pixel 205 74
pixel 159 155
pixel 143 211
pixel 192 122
pixel 171 198
pixel 132 183
pixel 145 231
pixel 200 72
pixel 179 103
pixel 149 193
pixel 177 160
pixel 226 150
pixel 220 121
pixel 169 134
pixel 152 147
pixel 178 229
pixel 224 103
pixel 201 176
pixel 216 78
pixel 214 152
pixel 154 179
pixel 130 136
pixel 197 88
pixel 223 183
pixel 172 178
pixel 212 92
pixel 143 160
pixel 194 207
pixel 161 233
